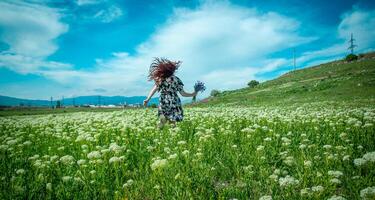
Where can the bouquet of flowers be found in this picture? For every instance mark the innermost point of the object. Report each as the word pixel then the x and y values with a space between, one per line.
pixel 198 87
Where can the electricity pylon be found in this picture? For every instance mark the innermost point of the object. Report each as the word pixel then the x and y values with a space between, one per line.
pixel 352 45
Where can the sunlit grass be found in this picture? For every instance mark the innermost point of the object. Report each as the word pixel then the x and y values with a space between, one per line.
pixel 304 152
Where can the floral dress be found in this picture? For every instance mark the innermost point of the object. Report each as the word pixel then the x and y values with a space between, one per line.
pixel 169 102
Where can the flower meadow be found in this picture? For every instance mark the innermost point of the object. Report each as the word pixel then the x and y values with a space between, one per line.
pixel 309 151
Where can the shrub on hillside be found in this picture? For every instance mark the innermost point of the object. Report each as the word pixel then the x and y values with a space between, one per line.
pixel 351 57
pixel 253 83
pixel 214 93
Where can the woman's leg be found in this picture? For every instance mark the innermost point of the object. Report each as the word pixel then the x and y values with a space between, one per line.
pixel 162 121
pixel 173 123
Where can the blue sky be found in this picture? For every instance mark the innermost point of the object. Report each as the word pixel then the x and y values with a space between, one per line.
pixel 102 47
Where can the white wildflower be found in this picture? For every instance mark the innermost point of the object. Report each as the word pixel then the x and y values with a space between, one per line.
pixel 49 187
pixel 335 181
pixel 66 178
pixel 289 160
pixel 335 197
pixel 318 188
pixel 78 180
pixel 20 171
pixel 288 181
pixel 267 197
pixel 36 156
pixel 53 158
pixel 114 159
pixel 94 155
pixel 267 139
pixel 81 161
pixel 185 152
pixel 368 193
pixel 359 162
pixel 128 183
pixel 260 148
pixel 158 164
pixel 307 163
pixel 274 177
pixel 67 159
pixel 369 156
pixel 115 148
pixel 172 156
pixel 335 174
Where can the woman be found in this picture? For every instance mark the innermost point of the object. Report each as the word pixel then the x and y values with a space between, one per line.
pixel 162 72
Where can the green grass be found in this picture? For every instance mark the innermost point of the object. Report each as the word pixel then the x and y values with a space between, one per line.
pixel 308 134
pixel 45 110
pixel 337 82
pixel 215 153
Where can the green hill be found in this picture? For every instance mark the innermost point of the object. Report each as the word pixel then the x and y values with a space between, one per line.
pixel 334 82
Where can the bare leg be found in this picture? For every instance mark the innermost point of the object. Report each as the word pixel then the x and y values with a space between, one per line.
pixel 173 124
pixel 162 121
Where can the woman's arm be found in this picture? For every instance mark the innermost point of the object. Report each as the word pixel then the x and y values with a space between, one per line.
pixel 152 92
pixel 186 94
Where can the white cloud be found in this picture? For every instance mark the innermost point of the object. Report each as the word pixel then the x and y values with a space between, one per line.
pixel 27 64
pixel 29 30
pixel 103 11
pixel 238 77
pixel 220 35
pixel 109 14
pixel 362 24
pixel 219 43
pixel 88 2
pixel 359 22
pixel 120 75
pixel 222 44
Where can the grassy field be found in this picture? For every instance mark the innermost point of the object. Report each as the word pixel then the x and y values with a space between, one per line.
pixel 308 134
pixel 311 151
pixel 45 110
pixel 340 82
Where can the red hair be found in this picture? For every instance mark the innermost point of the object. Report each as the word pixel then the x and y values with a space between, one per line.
pixel 162 68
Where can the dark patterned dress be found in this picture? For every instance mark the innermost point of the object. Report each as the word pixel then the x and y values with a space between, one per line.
pixel 169 102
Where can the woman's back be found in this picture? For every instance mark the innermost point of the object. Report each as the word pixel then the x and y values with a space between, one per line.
pixel 169 102
pixel 170 85
pixel 162 72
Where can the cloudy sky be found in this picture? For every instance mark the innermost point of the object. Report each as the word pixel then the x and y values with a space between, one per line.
pixel 103 47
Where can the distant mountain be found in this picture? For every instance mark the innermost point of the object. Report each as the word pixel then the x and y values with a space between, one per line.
pixel 81 100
